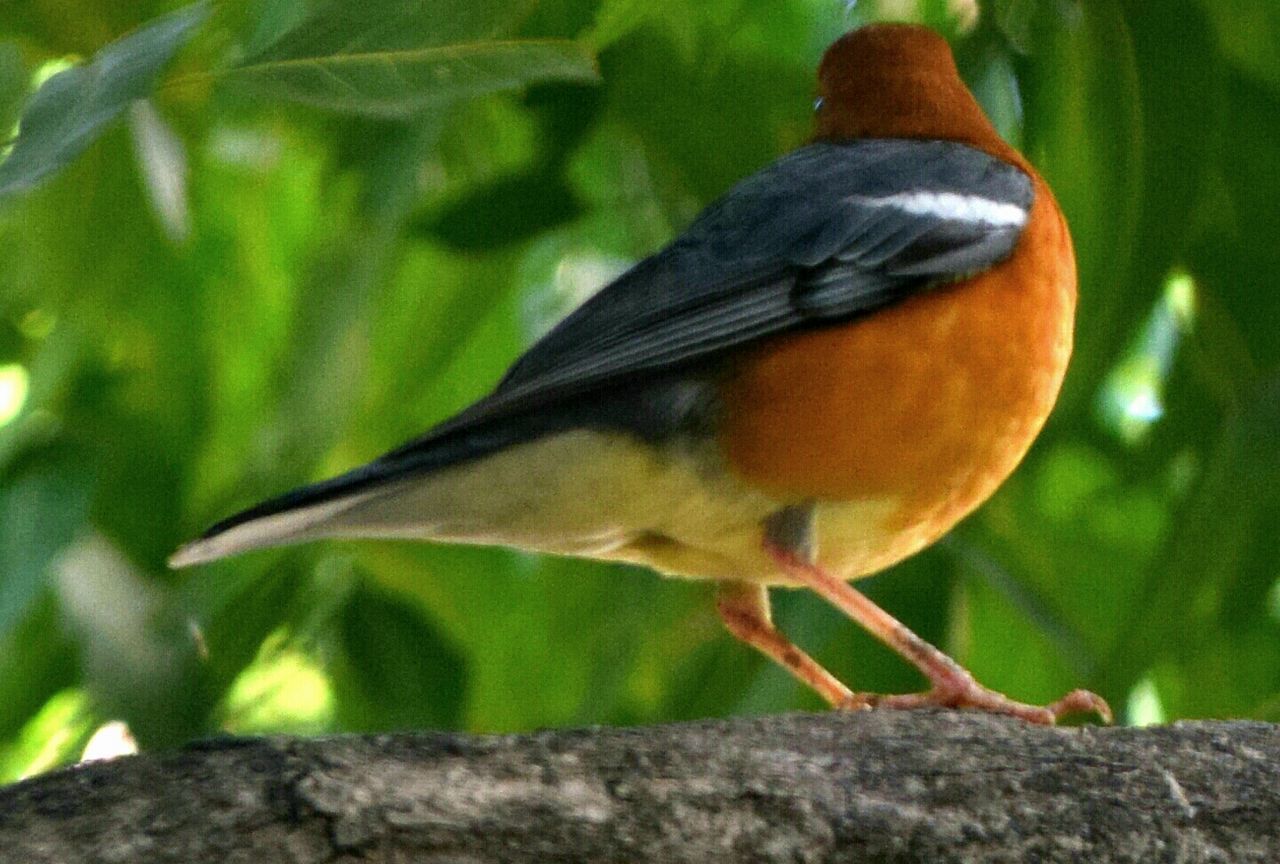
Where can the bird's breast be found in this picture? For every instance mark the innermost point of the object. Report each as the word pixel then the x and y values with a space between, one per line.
pixel 929 404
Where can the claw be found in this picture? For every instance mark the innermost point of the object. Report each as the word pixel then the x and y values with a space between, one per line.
pixel 1082 702
pixel 978 698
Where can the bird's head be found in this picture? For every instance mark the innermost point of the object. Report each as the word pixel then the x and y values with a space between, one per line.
pixel 899 81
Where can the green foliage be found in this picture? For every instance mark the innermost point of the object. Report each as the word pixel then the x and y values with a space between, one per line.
pixel 394 59
pixel 70 110
pixel 329 225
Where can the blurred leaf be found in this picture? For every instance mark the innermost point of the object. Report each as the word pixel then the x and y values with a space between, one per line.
pixel 229 616
pixel 282 691
pixel 1084 133
pixel 162 159
pixel 55 735
pixel 566 113
pixel 509 210
pixel 330 347
pixel 1024 601
pixel 1180 103
pixel 1180 607
pixel 989 72
pixel 394 669
pixel 1030 25
pixel 399 83
pixel 138 392
pixel 1235 258
pixel 37 659
pixel 701 132
pixel 266 21
pixel 1249 33
pixel 13 89
pixel 138 656
pixel 1061 554
pixel 617 18
pixel 561 18
pixel 339 27
pixel 42 506
pixel 72 108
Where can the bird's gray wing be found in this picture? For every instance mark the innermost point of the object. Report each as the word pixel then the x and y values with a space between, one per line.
pixel 828 232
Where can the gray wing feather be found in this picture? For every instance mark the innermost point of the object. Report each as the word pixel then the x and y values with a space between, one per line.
pixel 807 239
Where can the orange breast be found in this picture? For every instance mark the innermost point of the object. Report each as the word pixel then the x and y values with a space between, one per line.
pixel 930 403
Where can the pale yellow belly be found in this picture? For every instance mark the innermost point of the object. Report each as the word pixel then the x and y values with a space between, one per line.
pixel 608 496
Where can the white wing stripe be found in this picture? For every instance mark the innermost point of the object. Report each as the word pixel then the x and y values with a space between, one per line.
pixel 951 207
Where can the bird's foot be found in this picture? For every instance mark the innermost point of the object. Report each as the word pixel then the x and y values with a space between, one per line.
pixel 970 694
pixel 952 685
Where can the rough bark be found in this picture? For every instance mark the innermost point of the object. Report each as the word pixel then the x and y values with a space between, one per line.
pixel 875 786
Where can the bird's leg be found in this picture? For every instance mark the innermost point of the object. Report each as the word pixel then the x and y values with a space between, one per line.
pixel 953 686
pixel 744 609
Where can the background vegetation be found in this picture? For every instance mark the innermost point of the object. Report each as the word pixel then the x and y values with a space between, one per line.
pixel 260 241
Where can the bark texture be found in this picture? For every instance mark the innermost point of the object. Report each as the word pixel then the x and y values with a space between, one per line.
pixel 869 787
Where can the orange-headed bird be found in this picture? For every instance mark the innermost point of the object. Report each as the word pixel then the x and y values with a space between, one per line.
pixel 836 362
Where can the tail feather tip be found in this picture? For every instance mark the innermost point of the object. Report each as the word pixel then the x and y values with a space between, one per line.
pixel 189 554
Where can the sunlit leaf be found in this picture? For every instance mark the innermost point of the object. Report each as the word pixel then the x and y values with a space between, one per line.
pixel 72 108
pixel 53 736
pixel 283 690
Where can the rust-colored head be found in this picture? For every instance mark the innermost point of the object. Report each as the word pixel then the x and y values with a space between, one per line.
pixel 899 81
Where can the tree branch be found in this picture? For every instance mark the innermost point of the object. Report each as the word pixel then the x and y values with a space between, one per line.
pixel 875 786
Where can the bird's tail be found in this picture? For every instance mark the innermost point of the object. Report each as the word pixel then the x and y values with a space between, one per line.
pixel 302 514
pixel 325 509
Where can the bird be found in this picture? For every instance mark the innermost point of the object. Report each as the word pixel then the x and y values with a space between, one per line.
pixel 836 362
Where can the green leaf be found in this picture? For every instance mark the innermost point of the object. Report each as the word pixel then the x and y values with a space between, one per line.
pixel 55 735
pixel 1084 134
pixel 72 108
pixel 395 25
pixel 37 659
pixel 1026 23
pixel 13 89
pixel 694 117
pixel 509 210
pixel 1235 257
pixel 40 510
pixel 617 18
pixel 1219 551
pixel 399 83
pixel 1249 36
pixel 395 669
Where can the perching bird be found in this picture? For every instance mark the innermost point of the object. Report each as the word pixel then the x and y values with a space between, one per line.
pixel 835 363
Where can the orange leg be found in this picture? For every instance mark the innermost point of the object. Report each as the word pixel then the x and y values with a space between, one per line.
pixel 744 609
pixel 953 686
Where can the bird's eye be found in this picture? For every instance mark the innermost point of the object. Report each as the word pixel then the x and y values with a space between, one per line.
pixel 817 104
